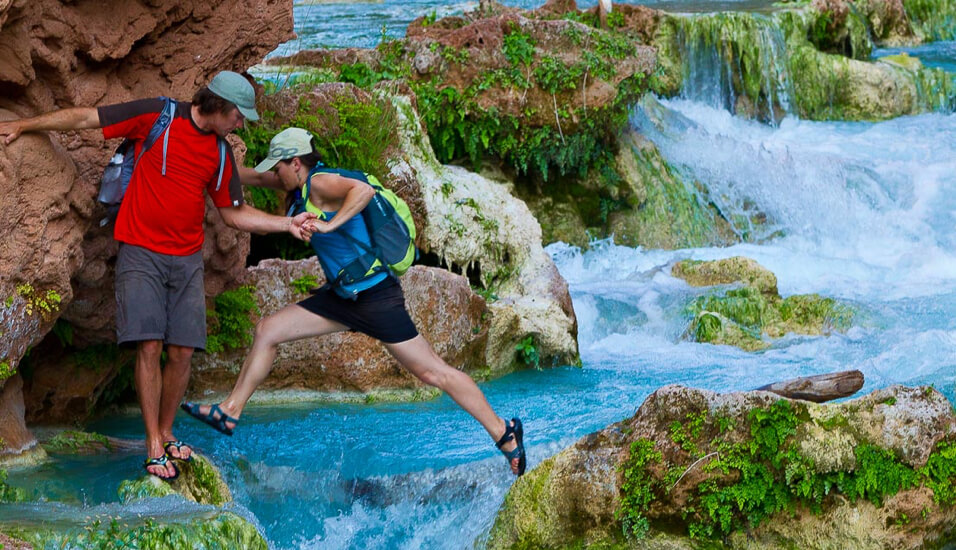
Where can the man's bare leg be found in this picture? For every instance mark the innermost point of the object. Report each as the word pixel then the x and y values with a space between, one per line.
pixel 420 359
pixel 149 387
pixel 175 379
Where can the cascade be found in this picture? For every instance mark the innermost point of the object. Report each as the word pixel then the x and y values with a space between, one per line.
pixel 735 61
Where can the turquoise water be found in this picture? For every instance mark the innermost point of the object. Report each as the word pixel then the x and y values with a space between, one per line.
pixel 941 55
pixel 863 212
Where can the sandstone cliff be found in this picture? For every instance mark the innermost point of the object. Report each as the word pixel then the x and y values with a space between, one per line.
pixel 55 261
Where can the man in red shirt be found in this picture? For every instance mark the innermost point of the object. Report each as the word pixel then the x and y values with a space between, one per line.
pixel 159 270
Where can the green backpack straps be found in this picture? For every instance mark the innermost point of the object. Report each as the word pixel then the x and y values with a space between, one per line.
pixel 388 219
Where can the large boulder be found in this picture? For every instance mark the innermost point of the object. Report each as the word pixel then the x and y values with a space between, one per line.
pixel 693 468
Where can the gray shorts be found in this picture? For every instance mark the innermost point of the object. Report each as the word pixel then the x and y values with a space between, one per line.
pixel 160 297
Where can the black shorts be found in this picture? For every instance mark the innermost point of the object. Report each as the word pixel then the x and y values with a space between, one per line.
pixel 379 311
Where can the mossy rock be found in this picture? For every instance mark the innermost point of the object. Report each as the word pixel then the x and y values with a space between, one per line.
pixel 738 269
pixel 198 481
pixel 214 531
pixel 664 210
pixel 694 469
pixel 750 316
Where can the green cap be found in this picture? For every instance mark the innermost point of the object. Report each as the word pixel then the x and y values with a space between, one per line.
pixel 287 144
pixel 234 88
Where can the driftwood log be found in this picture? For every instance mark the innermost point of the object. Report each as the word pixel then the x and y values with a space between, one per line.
pixel 820 388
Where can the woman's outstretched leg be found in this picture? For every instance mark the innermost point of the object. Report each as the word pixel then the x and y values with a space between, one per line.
pixel 420 359
pixel 289 323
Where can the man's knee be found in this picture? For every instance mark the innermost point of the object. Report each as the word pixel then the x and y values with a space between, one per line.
pixel 178 355
pixel 149 350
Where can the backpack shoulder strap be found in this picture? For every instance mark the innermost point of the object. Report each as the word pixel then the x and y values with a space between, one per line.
pixel 162 124
pixel 222 160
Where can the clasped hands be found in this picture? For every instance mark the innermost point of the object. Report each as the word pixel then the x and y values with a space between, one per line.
pixel 307 223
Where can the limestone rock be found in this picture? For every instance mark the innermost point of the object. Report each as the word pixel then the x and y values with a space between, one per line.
pixel 738 269
pixel 684 444
pixel 474 222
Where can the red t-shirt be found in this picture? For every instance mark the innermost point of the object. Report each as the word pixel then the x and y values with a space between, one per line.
pixel 165 213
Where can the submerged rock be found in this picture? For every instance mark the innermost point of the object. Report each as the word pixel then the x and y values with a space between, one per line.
pixel 697 469
pixel 747 315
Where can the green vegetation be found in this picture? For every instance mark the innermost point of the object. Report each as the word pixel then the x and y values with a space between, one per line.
pixel 72 442
pixel 350 133
pixel 6 370
pixel 305 283
pixel 528 352
pixel 932 19
pixel 749 480
pixel 741 317
pixel 637 487
pixel 230 327
pixel 8 493
pixel 45 303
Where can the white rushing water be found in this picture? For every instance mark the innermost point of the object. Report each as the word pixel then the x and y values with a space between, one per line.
pixel 861 212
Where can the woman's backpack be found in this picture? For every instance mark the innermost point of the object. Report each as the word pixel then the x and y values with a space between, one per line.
pixel 390 226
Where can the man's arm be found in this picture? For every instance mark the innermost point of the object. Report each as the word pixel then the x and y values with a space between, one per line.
pixel 247 218
pixel 76 118
pixel 248 176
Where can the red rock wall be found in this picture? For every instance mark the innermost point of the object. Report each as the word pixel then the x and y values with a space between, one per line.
pixel 86 53
pixel 55 261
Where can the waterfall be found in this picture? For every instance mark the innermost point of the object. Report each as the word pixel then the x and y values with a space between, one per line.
pixel 735 61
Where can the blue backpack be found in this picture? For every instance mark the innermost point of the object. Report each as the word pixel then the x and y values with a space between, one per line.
pixel 119 171
pixel 391 231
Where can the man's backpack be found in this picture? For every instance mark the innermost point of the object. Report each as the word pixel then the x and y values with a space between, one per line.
pixel 119 171
pixel 390 226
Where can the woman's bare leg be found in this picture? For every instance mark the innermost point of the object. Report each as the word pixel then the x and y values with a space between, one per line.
pixel 420 359
pixel 289 323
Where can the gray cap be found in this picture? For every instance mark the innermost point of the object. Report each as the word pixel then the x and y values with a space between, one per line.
pixel 234 88
pixel 287 144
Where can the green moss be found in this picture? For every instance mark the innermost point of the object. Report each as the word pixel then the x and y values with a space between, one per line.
pixel 72 442
pixel 812 310
pixel 742 316
pixel 230 326
pixel 6 370
pixel 145 487
pixel 224 530
pixel 528 498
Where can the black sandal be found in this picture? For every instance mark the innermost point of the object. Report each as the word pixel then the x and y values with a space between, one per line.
pixel 179 447
pixel 217 422
pixel 160 461
pixel 514 431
